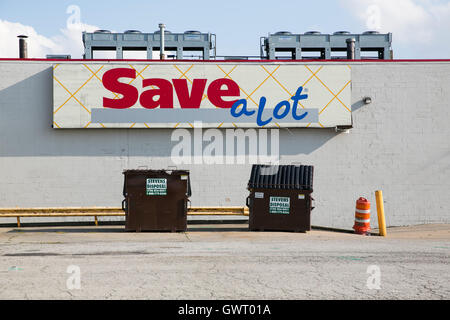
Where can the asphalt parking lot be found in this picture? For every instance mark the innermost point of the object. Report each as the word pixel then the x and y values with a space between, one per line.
pixel 222 262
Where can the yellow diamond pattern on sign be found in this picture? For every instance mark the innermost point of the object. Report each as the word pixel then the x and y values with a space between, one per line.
pixel 78 89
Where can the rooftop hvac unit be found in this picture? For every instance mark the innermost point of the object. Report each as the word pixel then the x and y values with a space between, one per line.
pixel 135 40
pixel 315 45
pixel 59 56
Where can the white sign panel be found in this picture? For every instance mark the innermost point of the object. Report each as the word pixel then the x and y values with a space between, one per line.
pixel 179 94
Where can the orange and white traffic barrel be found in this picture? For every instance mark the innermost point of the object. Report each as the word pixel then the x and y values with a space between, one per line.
pixel 362 216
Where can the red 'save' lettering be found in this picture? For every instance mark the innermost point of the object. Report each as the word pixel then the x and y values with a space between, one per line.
pixel 215 92
pixel 194 100
pixel 160 92
pixel 163 90
pixel 111 82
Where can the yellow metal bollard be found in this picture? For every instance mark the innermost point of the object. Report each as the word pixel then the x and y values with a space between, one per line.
pixel 380 212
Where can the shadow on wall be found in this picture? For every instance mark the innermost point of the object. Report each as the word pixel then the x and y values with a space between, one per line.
pixel 358 105
pixel 26 130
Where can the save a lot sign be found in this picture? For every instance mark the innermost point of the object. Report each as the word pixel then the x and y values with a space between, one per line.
pixel 178 94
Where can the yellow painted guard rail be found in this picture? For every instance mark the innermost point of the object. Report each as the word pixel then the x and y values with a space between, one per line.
pixel 107 212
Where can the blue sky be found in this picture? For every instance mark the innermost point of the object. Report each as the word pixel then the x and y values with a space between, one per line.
pixel 238 24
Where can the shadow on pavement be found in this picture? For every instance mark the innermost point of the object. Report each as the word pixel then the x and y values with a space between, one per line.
pixel 226 225
pixel 118 227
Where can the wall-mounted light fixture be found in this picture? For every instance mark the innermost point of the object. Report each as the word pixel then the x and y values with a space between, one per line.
pixel 342 129
pixel 367 100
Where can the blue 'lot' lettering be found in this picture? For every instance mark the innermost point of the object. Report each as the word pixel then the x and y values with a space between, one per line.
pixel 281 109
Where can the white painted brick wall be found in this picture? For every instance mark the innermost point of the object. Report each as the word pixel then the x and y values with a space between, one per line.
pixel 399 144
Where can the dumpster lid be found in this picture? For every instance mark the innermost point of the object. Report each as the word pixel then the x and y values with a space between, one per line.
pixel 298 177
pixel 159 171
pixel 162 172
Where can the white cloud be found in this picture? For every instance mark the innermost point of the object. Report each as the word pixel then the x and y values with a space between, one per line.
pixel 70 38
pixel 68 41
pixel 419 27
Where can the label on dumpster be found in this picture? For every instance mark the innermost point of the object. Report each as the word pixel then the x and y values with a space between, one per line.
pixel 279 205
pixel 259 195
pixel 301 197
pixel 156 187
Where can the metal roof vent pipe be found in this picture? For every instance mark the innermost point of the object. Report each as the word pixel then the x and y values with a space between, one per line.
pixel 350 48
pixel 23 48
pixel 162 33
